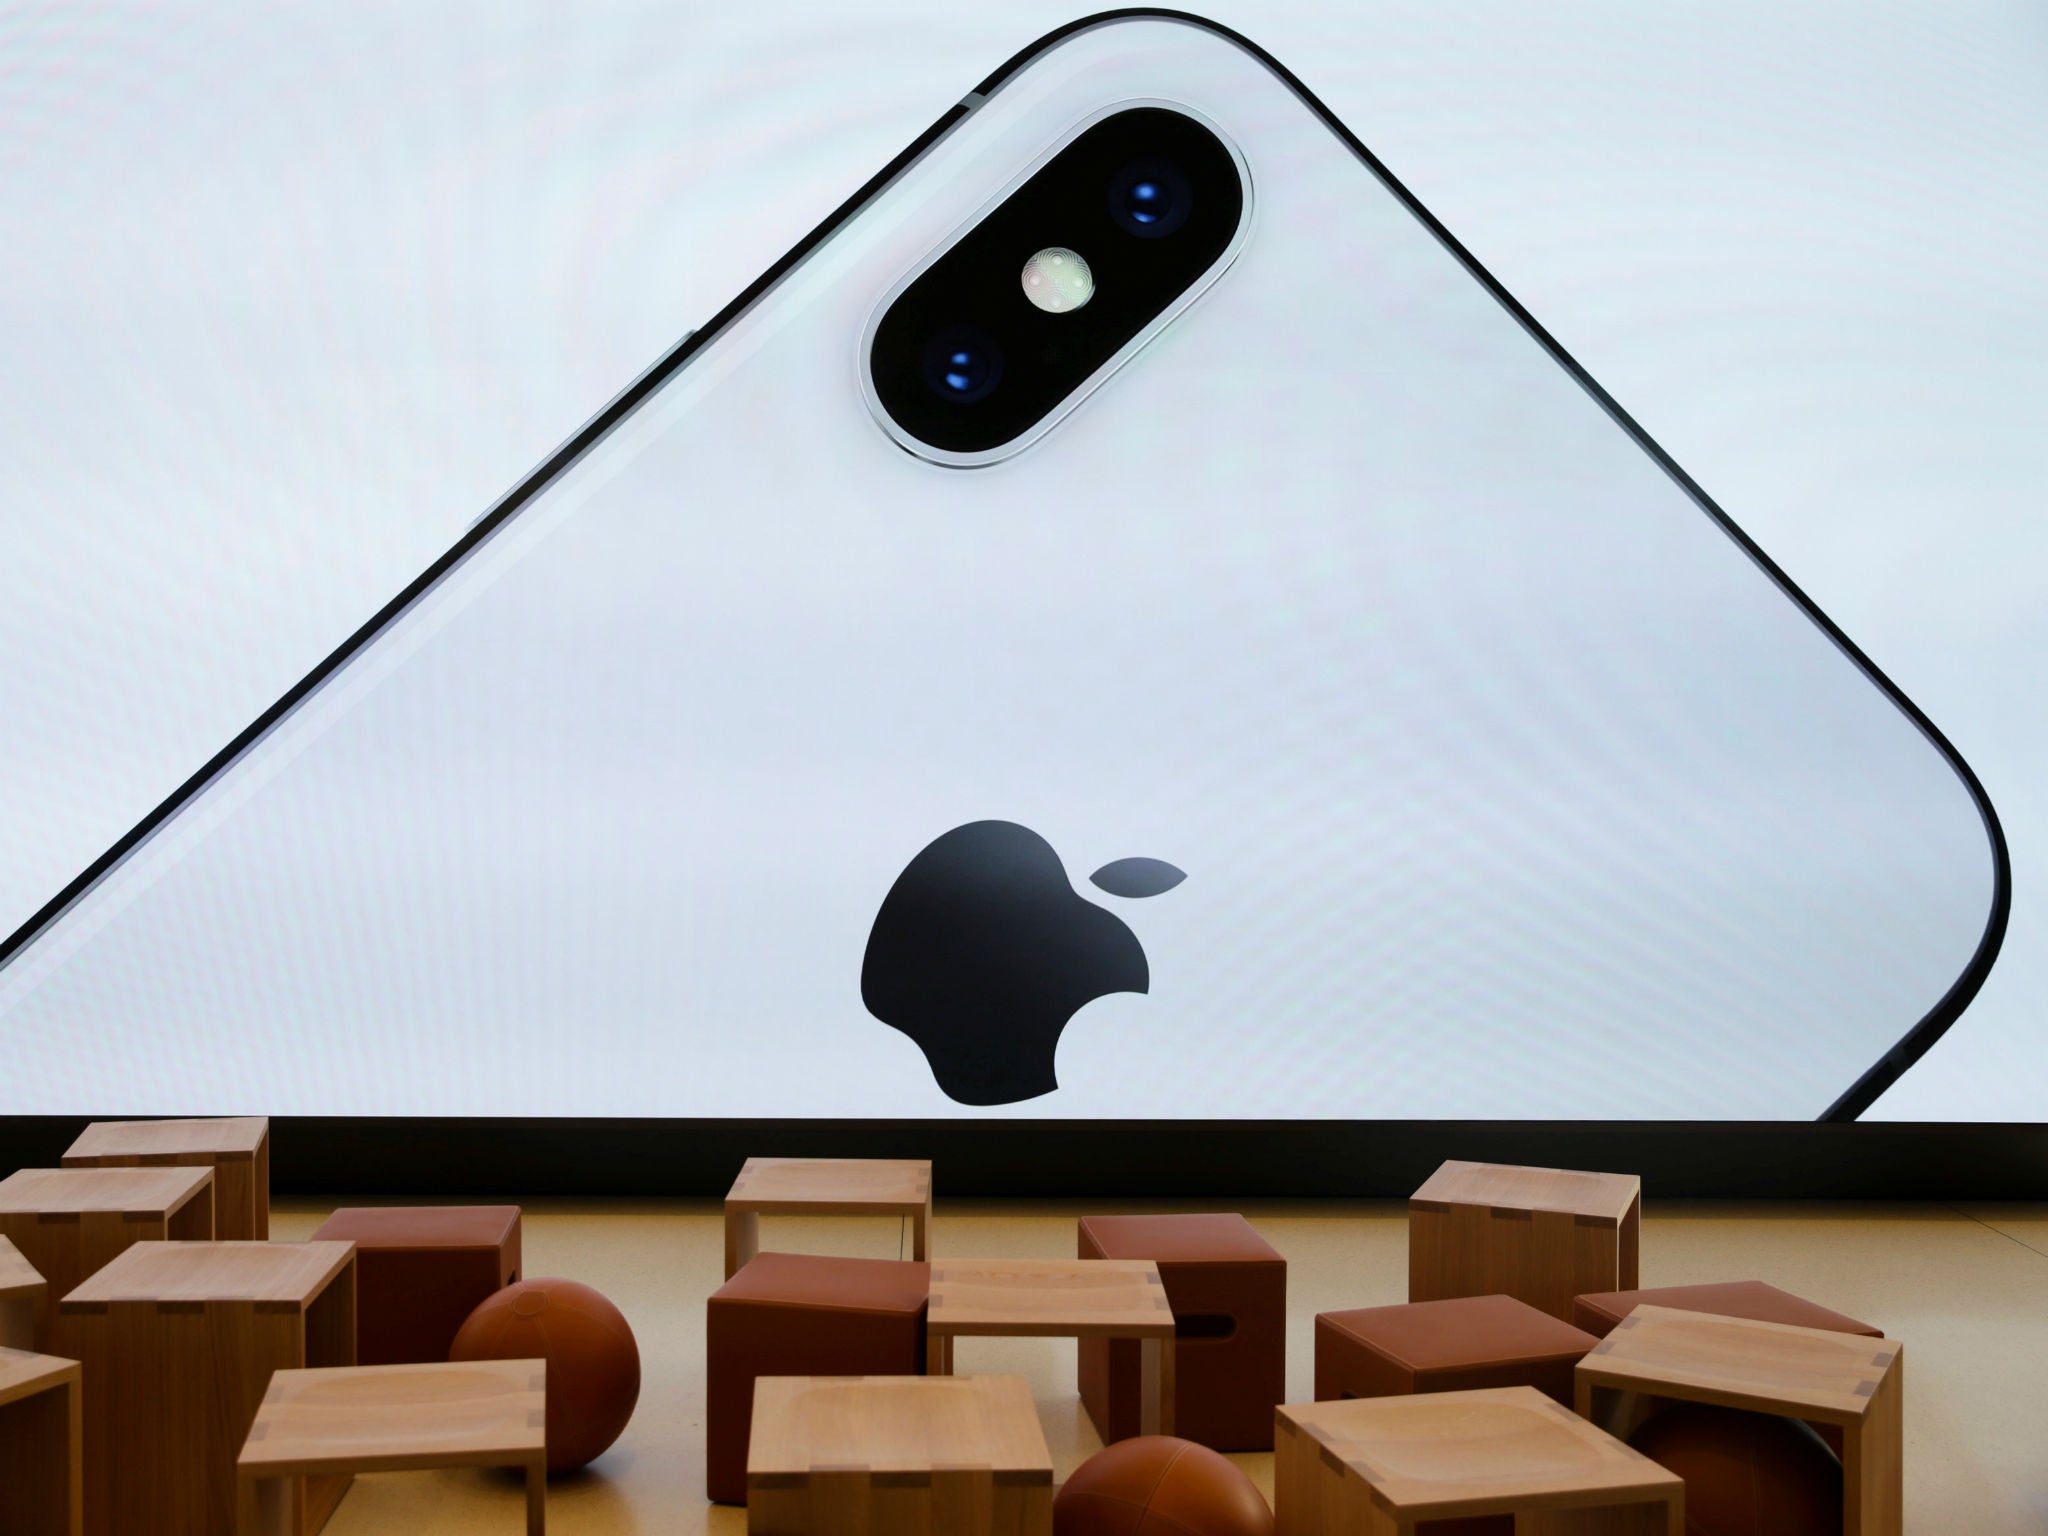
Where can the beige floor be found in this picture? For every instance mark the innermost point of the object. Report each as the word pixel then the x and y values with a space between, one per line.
pixel 1966 1289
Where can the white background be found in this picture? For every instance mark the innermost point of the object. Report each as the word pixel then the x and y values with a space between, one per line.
pixel 287 300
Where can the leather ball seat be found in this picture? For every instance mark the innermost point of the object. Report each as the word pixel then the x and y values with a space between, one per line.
pixel 1156 1485
pixel 593 1360
pixel 1746 1474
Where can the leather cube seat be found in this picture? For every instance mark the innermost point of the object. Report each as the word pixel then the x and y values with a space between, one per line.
pixel 1753 1299
pixel 421 1270
pixel 1228 1290
pixel 789 1314
pixel 1446 1346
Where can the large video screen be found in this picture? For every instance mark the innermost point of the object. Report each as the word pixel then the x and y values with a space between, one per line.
pixel 1344 711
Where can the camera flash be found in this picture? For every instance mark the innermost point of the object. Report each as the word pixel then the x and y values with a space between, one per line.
pixel 1057 280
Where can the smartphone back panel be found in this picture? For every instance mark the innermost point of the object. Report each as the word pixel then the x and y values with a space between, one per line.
pixel 1504 781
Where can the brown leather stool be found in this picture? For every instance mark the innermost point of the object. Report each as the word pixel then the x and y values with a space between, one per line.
pixel 1601 1312
pixel 1446 1346
pixel 791 1314
pixel 1228 1290
pixel 1753 1299
pixel 421 1270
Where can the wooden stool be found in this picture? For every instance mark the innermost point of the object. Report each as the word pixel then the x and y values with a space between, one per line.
pixel 1603 1311
pixel 238 1152
pixel 420 1271
pixel 68 1222
pixel 1540 1235
pixel 838 1186
pixel 179 1341
pixel 24 1300
pixel 1060 1299
pixel 1377 1466
pixel 1446 1346
pixel 41 1492
pixel 337 1422
pixel 1814 1374
pixel 897 1456
pixel 1228 1290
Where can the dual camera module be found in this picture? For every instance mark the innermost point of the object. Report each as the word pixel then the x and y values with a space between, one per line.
pixel 1023 310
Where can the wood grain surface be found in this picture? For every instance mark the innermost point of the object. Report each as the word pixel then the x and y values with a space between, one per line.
pixel 796 1186
pixel 396 1418
pixel 179 1342
pixel 70 1222
pixel 238 1150
pixel 24 1300
pixel 901 1455
pixel 1845 1379
pixel 41 1455
pixel 1383 1463
pixel 1541 1235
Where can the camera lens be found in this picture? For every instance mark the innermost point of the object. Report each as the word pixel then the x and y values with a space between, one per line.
pixel 963 364
pixel 1150 198
pixel 1146 202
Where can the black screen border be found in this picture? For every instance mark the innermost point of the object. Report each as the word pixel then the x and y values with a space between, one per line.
pixel 350 1156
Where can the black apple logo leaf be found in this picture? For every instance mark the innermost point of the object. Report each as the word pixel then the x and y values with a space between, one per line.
pixel 983 951
pixel 1138 877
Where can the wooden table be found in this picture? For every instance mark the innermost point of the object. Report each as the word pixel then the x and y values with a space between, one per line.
pixel 68 1222
pixel 1540 1235
pixel 1375 1466
pixel 1844 1379
pixel 24 1300
pixel 394 1418
pixel 837 1186
pixel 179 1341
pixel 897 1456
pixel 40 1461
pixel 238 1152
pixel 1060 1299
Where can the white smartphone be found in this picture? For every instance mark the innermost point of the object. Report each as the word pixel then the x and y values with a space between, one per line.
pixel 1129 621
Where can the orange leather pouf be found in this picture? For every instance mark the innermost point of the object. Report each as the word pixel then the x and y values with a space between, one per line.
pixel 1746 1474
pixel 1446 1346
pixel 1228 1289
pixel 421 1270
pixel 1155 1485
pixel 1599 1313
pixel 593 1362
pixel 801 1314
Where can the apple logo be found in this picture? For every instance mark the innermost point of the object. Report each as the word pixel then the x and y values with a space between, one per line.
pixel 982 952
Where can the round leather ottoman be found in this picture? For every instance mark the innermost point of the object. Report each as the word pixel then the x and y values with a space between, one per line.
pixel 593 1361
pixel 1155 1485
pixel 1746 1474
